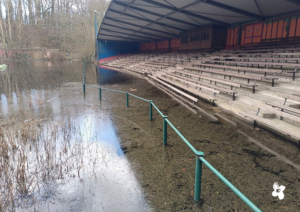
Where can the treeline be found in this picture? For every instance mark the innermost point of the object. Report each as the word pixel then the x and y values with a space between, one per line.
pixel 67 25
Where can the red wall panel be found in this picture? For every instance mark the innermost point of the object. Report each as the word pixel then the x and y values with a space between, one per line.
pixel 232 37
pixel 285 27
pixel 264 33
pixel 243 36
pixel 298 26
pixel 280 28
pixel 163 45
pixel 274 29
pixel 292 30
pixel 228 37
pixel 148 46
pixel 269 29
pixel 236 30
pixel 175 43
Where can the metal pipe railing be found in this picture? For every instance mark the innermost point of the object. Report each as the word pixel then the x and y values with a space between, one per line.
pixel 229 184
pixel 199 154
pixel 139 97
pixel 157 109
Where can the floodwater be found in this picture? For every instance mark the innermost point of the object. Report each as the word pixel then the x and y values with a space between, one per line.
pixel 76 153
pixel 59 149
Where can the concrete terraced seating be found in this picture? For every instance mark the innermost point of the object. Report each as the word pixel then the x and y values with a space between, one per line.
pixel 287 124
pixel 273 72
pixel 204 93
pixel 264 49
pixel 253 63
pixel 220 77
pixel 206 82
pixel 174 89
pixel 278 126
pixel 285 108
pixel 265 59
pixel 289 60
pixel 269 54
pixel 224 73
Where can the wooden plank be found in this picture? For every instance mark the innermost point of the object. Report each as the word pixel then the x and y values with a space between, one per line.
pixel 194 91
pixel 270 125
pixel 277 112
pixel 221 72
pixel 255 63
pixel 175 89
pixel 288 96
pixel 220 89
pixel 208 78
pixel 261 54
pixel 257 70
pixel 259 58
pixel 284 107
pixel 261 50
pixel 191 83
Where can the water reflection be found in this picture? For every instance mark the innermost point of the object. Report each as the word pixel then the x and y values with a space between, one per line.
pixel 109 76
pixel 15 101
pixel 105 182
pixel 69 143
pixel 55 105
pixel 42 75
pixel 4 105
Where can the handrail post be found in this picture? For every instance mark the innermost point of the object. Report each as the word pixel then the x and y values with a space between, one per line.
pixel 127 101
pixel 165 125
pixel 83 88
pixel 99 93
pixel 198 176
pixel 150 110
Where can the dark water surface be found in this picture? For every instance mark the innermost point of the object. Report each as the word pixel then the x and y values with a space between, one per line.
pixel 59 149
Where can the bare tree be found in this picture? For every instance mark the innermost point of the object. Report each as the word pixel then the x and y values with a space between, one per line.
pixel 67 25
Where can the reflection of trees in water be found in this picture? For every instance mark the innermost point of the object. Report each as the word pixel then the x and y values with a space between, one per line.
pixel 42 74
pixel 37 157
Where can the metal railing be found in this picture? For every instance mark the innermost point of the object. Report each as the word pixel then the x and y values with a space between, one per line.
pixel 199 155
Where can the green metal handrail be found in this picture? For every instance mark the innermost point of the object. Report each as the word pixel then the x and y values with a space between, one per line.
pixel 199 154
pixel 139 97
pixel 229 184
pixel 157 109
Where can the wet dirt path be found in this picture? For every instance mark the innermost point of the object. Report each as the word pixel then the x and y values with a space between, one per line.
pixel 167 172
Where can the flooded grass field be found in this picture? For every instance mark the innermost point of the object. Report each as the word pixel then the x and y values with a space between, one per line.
pixel 59 150
pixel 63 151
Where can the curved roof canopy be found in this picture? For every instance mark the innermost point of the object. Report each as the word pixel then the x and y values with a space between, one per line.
pixel 152 20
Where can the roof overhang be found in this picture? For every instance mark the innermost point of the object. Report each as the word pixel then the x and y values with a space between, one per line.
pixel 152 20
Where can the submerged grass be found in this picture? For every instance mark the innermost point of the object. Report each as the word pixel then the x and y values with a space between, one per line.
pixel 34 156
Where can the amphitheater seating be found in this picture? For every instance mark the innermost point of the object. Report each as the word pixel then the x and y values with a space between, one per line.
pixel 228 73
pixel 285 108
pixel 175 89
pixel 222 54
pixel 285 131
pixel 252 63
pixel 264 49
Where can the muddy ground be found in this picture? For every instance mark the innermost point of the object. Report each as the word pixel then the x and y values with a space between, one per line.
pixel 167 173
